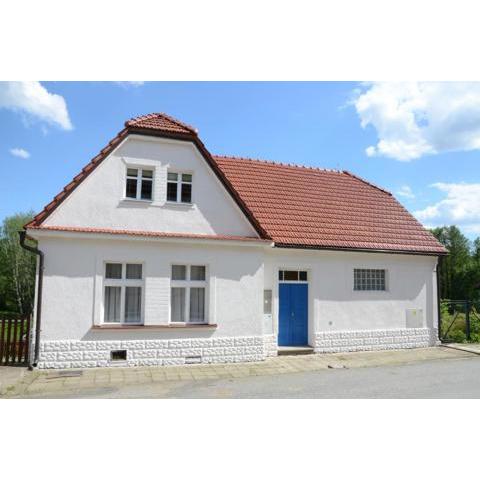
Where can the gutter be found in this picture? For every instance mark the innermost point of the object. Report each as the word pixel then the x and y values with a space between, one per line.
pixel 439 317
pixel 23 236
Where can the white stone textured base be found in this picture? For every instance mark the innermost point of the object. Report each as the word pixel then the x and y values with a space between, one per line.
pixel 271 345
pixel 365 340
pixel 84 354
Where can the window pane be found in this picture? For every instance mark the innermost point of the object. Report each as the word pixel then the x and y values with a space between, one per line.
pixel 197 273
pixel 146 193
pixel 186 192
pixel 172 176
pixel 280 275
pixel 132 172
pixel 186 177
pixel 134 271
pixel 178 304
pixel 267 302
pixel 179 272
pixel 131 191
pixel 133 304
pixel 369 279
pixel 147 173
pixel 197 304
pixel 290 275
pixel 302 276
pixel 112 304
pixel 113 270
pixel 171 192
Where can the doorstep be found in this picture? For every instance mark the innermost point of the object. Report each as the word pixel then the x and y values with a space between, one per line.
pixel 304 350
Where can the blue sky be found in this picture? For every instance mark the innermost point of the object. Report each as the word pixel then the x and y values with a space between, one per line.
pixel 420 141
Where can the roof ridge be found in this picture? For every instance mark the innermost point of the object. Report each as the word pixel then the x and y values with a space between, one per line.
pixel 281 164
pixel 346 172
pixel 146 116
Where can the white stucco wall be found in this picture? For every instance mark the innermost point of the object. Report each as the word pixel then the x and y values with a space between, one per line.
pixel 336 311
pixel 99 201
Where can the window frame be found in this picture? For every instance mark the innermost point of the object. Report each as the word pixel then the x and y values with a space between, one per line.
pixel 139 178
pixel 180 182
pixel 386 280
pixel 188 284
pixel 281 273
pixel 123 283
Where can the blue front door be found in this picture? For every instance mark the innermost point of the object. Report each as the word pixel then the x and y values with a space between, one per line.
pixel 293 314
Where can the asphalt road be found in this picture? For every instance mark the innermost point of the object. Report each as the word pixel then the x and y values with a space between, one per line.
pixel 448 378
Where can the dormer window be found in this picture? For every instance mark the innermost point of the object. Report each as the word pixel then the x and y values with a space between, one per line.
pixel 139 184
pixel 179 187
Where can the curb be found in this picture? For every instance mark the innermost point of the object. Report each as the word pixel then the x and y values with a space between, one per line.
pixel 461 348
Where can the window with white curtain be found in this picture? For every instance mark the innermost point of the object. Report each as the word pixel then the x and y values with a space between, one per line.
pixel 123 287
pixel 188 294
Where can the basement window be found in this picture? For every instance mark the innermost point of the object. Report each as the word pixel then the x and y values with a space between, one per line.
pixel 139 185
pixel 118 355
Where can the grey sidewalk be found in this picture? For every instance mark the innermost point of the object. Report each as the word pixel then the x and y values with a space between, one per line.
pixel 45 383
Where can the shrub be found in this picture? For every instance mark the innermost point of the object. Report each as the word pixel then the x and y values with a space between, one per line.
pixel 457 336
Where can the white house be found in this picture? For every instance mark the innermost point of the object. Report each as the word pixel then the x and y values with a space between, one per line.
pixel 159 253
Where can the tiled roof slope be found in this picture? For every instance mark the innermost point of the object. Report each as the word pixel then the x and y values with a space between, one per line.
pixel 314 208
pixel 161 122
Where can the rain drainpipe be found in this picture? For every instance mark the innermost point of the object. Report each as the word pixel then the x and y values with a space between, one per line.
pixel 439 318
pixel 36 251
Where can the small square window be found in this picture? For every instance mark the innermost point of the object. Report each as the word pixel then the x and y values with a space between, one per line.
pixel 197 273
pixel 172 176
pixel 186 177
pixel 147 173
pixel 132 172
pixel 113 270
pixel 179 272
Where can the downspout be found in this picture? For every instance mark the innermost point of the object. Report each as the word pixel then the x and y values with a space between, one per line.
pixel 36 251
pixel 439 318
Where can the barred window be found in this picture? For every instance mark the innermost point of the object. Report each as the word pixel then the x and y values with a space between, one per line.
pixel 369 279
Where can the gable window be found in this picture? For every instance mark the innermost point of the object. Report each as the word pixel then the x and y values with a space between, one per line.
pixel 179 187
pixel 369 279
pixel 188 294
pixel 123 293
pixel 139 184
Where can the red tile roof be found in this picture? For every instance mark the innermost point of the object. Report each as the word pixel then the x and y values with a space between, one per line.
pixel 161 122
pixel 292 205
pixel 314 208
pixel 141 233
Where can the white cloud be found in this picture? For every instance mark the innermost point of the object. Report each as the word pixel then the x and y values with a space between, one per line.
pixel 33 99
pixel 460 207
pixel 130 84
pixel 19 152
pixel 405 191
pixel 420 118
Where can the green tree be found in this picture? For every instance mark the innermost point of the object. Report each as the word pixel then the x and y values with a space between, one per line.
pixel 17 267
pixel 459 271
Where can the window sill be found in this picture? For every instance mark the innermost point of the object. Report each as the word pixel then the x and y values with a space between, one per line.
pixel 150 327
pixel 136 200
pixel 179 204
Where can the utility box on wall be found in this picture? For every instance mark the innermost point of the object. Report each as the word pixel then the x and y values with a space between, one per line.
pixel 414 318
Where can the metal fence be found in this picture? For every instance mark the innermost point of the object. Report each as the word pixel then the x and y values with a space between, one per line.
pixel 460 321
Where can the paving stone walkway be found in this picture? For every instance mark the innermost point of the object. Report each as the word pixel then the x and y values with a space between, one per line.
pixel 55 382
